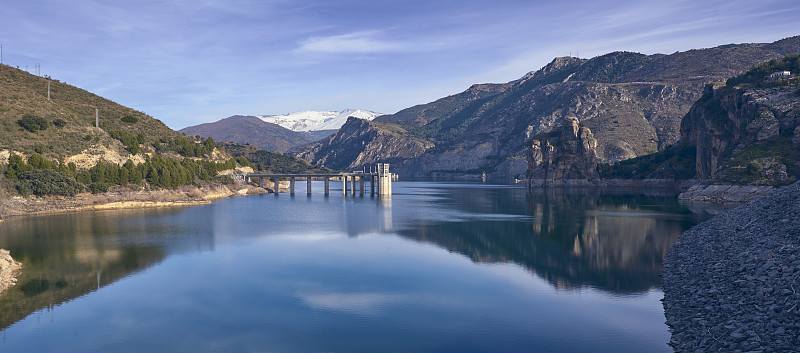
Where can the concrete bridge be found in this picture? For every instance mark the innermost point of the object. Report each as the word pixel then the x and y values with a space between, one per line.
pixel 380 176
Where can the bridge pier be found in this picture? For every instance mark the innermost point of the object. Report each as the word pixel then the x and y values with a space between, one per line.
pixel 379 176
pixel 384 179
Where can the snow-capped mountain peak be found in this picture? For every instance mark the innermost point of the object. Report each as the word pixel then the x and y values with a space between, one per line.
pixel 317 120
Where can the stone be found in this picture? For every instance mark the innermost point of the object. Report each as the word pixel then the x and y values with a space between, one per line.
pixel 796 137
pixel 735 269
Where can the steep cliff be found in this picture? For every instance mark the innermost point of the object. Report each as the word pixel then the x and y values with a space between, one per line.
pixel 565 156
pixel 746 134
pixel 633 103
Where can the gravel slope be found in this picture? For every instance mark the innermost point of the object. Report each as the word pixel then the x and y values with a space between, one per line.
pixel 731 283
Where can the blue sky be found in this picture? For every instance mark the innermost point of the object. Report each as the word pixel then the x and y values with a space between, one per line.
pixel 187 62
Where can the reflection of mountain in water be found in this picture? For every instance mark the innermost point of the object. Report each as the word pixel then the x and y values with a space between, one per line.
pixel 66 256
pixel 611 242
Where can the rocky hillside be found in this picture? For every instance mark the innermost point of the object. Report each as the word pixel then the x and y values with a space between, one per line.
pixel 746 135
pixel 250 130
pixel 745 132
pixel 633 103
pixel 361 142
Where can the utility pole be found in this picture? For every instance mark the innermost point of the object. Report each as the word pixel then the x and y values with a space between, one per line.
pixel 48 89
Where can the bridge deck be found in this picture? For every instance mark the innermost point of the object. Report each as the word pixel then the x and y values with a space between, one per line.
pixel 309 175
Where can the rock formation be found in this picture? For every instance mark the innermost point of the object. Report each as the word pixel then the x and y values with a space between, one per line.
pixel 566 156
pixel 745 135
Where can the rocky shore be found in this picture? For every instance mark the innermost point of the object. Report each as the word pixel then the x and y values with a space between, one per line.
pixel 725 193
pixel 8 271
pixel 731 284
pixel 121 198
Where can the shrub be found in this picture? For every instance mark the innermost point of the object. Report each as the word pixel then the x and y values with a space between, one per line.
pixel 32 123
pixel 47 182
pixel 129 119
pixel 60 122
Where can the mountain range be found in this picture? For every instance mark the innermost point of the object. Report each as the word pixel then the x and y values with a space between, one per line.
pixel 632 102
pixel 317 120
pixel 278 133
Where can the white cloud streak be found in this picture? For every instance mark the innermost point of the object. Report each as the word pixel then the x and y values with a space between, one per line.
pixel 358 42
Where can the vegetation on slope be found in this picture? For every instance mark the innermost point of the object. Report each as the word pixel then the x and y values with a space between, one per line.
pixel 757 76
pixel 270 162
pixel 63 125
pixel 675 162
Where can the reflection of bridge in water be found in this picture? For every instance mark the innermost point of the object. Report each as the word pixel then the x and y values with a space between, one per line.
pixel 381 176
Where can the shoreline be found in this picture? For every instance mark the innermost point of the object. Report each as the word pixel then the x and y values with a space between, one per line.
pixel 687 190
pixel 731 283
pixel 122 198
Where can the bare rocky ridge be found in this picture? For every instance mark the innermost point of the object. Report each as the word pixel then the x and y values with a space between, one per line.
pixel 731 283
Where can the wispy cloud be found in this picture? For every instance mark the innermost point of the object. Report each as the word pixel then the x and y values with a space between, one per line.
pixel 357 42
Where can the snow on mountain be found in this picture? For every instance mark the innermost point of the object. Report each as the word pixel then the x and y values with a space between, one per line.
pixel 316 120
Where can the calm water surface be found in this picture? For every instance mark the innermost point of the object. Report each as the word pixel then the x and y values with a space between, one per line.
pixel 438 267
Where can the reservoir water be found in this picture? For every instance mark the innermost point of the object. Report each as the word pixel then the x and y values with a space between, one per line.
pixel 437 267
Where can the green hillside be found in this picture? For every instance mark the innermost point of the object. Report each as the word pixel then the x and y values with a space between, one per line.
pixel 70 117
